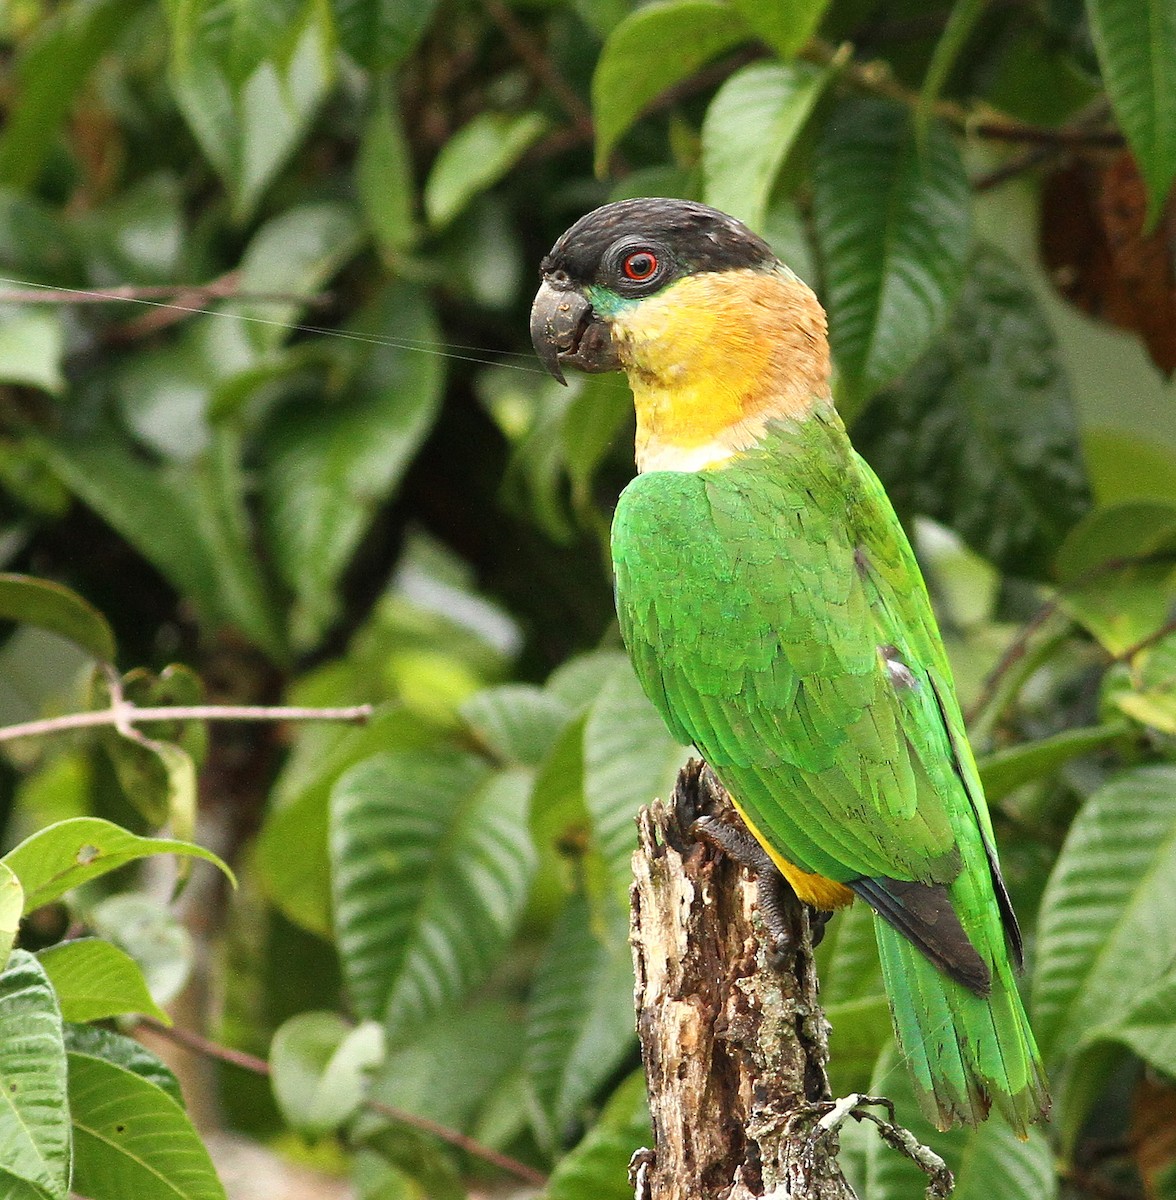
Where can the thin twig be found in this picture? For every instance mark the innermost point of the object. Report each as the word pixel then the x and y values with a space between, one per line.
pixel 224 287
pixel 191 1040
pixel 131 714
pixel 1156 635
pixel 1013 654
pixel 1038 135
pixel 1028 160
pixel 458 1140
pixel 258 1066
pixel 877 77
pixel 533 55
pixel 1094 1185
pixel 1016 649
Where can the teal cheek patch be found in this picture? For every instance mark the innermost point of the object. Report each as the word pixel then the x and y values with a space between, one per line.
pixel 607 303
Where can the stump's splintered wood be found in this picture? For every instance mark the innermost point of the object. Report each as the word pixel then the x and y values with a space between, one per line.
pixel 735 1043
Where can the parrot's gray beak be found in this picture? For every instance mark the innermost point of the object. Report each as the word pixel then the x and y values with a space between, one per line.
pixel 566 330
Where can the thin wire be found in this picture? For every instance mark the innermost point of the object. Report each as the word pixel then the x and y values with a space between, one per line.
pixel 440 349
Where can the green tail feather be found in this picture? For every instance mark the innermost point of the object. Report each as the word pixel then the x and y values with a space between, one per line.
pixel 965 1052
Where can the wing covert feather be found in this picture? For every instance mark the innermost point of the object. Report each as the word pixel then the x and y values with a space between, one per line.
pixel 754 600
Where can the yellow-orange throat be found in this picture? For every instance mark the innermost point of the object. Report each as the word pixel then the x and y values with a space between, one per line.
pixel 714 357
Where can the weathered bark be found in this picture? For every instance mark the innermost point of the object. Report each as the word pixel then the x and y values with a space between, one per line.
pixel 735 1047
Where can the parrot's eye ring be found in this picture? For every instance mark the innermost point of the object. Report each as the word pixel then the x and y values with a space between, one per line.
pixel 640 265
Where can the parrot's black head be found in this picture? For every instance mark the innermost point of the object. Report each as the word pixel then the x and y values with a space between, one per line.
pixel 624 252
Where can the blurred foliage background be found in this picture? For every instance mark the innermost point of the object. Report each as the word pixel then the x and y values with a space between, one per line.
pixel 271 432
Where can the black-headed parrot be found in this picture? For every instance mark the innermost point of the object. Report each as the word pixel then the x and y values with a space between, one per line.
pixel 776 617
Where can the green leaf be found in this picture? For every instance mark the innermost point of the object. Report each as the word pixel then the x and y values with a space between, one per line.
pixel 598 1168
pixel 1006 770
pixel 1153 674
pixel 629 759
pixel 483 1039
pixel 248 103
pixel 960 23
pixel 139 234
pixel 987 1161
pixel 858 1030
pixel 1136 45
pixel 1156 708
pixel 384 178
pixel 1107 925
pixel 189 521
pixel 95 979
pixel 157 776
pixel 597 415
pixel 126 1052
pixel 1108 583
pixel 853 997
pixel 577 682
pixel 34 1117
pixel 847 958
pixel 517 723
pixel 329 467
pixel 32 345
pixel 750 127
pixel 380 33
pixel 893 224
pixel 579 1018
pixel 534 414
pixel 52 69
pixel 475 158
pixel 292 858
pixel 319 1066
pixel 11 907
pixel 398 1162
pixel 294 253
pixel 164 392
pixel 431 859
pixel 785 26
pixel 152 935
pixel 68 853
pixel 982 434
pixel 132 1139
pixel 51 606
pixel 651 49
pixel 1148 1027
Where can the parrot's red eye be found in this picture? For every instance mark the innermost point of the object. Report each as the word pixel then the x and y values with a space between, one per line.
pixel 639 266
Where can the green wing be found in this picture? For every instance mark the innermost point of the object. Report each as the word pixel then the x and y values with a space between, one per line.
pixel 757 602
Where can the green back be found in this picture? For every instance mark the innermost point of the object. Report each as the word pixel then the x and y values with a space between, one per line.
pixel 754 599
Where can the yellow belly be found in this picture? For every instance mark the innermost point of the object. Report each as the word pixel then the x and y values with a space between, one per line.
pixel 822 893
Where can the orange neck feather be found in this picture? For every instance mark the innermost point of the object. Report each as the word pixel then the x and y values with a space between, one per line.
pixel 714 357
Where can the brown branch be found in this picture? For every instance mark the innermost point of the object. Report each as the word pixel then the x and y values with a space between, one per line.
pixel 1095 1185
pixel 1019 164
pixel 1037 135
pixel 876 77
pixel 534 57
pixel 258 1066
pixel 123 713
pixel 224 287
pixel 735 1045
pixel 459 1141
pixel 191 1040
pixel 1017 648
pixel 1013 654
pixel 1156 635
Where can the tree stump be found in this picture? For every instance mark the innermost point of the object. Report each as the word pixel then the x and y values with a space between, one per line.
pixel 735 1046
